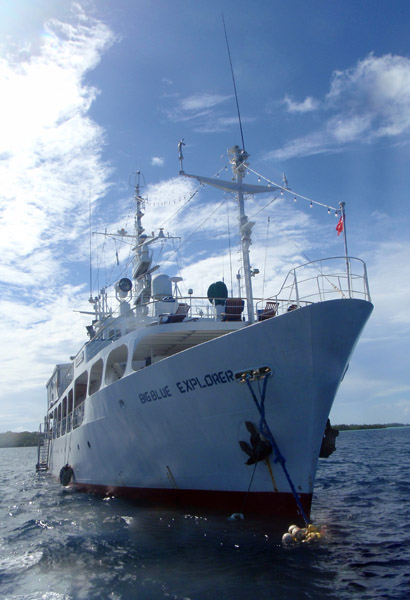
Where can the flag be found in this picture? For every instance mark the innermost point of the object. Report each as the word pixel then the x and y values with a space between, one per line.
pixel 339 226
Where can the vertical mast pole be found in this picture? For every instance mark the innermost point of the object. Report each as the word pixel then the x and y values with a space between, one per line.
pixel 139 229
pixel 343 214
pixel 238 166
pixel 138 223
pixel 91 264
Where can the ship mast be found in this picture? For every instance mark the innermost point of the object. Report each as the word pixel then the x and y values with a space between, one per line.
pixel 143 258
pixel 238 162
pixel 139 214
pixel 239 166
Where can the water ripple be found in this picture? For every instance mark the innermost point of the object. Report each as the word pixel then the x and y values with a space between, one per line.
pixel 60 545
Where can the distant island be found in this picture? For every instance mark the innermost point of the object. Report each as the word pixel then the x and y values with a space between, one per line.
pixel 376 426
pixel 11 439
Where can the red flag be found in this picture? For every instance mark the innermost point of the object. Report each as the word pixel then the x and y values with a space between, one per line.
pixel 339 226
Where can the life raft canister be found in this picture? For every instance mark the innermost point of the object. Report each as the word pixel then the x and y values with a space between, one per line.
pixel 66 474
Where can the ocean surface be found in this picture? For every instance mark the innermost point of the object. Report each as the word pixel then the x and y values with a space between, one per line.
pixel 56 544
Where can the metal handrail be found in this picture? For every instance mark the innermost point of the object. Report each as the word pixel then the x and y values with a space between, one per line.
pixel 305 284
pixel 314 282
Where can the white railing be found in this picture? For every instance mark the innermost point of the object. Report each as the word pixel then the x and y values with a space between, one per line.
pixel 325 279
pixel 315 281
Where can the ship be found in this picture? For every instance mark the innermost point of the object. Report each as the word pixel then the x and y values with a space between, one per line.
pixel 215 403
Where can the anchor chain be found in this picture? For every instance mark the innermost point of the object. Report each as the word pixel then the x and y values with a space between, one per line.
pixel 255 375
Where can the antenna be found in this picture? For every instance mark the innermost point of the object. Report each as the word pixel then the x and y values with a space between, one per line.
pixel 91 265
pixel 234 84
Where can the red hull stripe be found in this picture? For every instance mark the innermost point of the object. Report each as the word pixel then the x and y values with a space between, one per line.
pixel 261 503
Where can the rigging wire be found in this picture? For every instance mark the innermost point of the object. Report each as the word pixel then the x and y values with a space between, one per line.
pixel 266 256
pixel 123 271
pixel 229 246
pixel 289 191
pixel 118 247
pixel 89 224
pixel 195 230
pixel 263 207
pixel 194 193
pixel 234 84
pixel 101 263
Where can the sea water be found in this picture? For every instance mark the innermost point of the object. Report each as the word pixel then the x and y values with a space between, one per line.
pixel 57 544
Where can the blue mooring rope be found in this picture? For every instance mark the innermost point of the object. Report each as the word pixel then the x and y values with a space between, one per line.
pixel 264 429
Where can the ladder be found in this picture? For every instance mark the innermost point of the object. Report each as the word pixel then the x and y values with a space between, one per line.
pixel 44 438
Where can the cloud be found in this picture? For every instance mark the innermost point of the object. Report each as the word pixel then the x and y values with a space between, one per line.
pixel 216 124
pixel 205 111
pixel 194 107
pixel 390 287
pixel 384 345
pixel 199 102
pixel 308 105
pixel 315 143
pixel 157 161
pixel 51 170
pixel 50 148
pixel 364 103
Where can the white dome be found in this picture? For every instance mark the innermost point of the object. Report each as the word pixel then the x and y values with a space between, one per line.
pixel 161 286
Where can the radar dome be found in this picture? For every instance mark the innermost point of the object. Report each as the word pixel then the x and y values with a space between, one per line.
pixel 217 293
pixel 161 286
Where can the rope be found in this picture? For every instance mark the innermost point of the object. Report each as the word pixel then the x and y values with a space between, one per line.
pixel 296 195
pixel 249 487
pixel 264 429
pixel 266 256
pixel 229 244
pixel 192 234
pixel 234 84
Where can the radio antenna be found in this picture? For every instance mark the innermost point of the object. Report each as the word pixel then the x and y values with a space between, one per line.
pixel 91 264
pixel 234 84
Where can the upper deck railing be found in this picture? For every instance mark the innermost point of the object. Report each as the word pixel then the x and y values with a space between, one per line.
pixel 312 282
pixel 325 279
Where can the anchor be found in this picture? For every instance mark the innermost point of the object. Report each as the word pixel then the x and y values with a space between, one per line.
pixel 259 448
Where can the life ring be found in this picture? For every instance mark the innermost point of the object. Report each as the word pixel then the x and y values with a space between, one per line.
pixel 66 474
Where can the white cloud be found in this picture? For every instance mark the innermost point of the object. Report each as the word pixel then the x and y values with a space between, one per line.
pixel 308 105
pixel 157 161
pixel 368 101
pixel 344 129
pixel 205 111
pixel 50 168
pixel 315 143
pixel 50 148
pixel 199 102
pixel 389 272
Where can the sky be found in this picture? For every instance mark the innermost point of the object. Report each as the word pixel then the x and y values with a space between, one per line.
pixel 94 91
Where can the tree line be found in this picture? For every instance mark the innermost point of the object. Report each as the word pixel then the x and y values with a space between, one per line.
pixel 12 439
pixel 376 426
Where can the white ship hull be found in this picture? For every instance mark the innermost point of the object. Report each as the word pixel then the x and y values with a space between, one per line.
pixel 169 433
